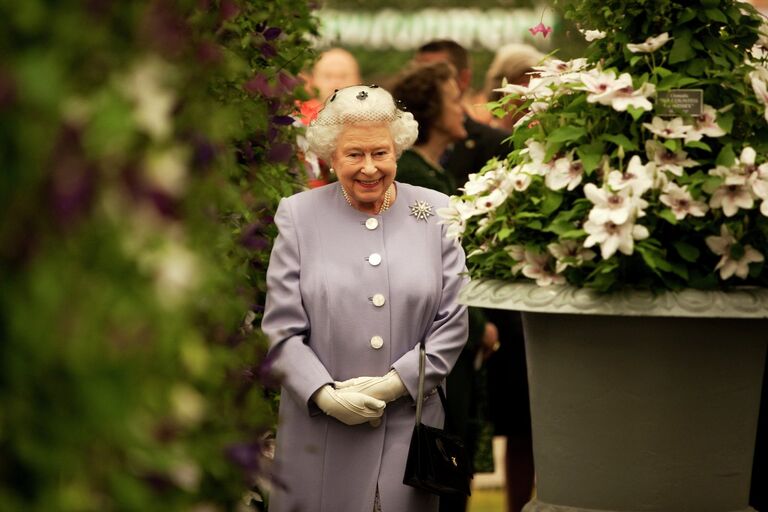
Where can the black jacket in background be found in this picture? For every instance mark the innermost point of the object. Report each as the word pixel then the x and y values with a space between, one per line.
pixel 471 154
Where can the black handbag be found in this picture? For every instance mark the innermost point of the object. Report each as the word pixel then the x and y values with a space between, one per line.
pixel 437 461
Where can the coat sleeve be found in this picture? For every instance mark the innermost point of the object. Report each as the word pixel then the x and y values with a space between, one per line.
pixel 285 321
pixel 447 334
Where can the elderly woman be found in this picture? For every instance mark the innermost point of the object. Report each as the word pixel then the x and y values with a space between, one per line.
pixel 360 272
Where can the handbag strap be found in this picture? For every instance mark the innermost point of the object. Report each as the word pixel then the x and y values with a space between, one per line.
pixel 420 398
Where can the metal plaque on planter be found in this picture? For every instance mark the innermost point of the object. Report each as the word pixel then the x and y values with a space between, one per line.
pixel 676 102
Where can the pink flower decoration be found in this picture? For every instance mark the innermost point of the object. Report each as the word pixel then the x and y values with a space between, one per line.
pixel 540 28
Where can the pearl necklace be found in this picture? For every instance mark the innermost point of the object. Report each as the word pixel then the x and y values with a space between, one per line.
pixel 384 206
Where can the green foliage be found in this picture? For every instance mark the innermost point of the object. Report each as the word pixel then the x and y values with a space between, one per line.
pixel 144 146
pixel 628 158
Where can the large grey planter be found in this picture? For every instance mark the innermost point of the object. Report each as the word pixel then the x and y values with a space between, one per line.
pixel 639 403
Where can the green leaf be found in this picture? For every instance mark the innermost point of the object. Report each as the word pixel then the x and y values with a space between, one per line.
pixel 505 232
pixel 734 13
pixel 559 227
pixel 575 233
pixel 590 155
pixel 716 15
pixel 726 157
pixel 725 121
pixel 688 15
pixel 552 149
pixel 686 251
pixel 620 140
pixel 698 144
pixel 654 257
pixel 634 59
pixel 681 47
pixel 636 113
pixel 566 133
pixel 552 201
pixel 679 269
pixel 668 216
pixel 711 183
pixel 696 67
pixel 672 144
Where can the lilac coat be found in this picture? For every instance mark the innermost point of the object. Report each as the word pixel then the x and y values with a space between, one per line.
pixel 320 320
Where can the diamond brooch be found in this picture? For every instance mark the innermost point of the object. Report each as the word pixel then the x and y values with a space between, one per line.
pixel 422 210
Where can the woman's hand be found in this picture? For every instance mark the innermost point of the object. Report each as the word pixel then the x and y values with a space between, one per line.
pixel 348 406
pixel 388 388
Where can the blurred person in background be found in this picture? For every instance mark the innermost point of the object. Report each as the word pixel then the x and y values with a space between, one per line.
pixel 507 381
pixel 513 63
pixel 482 141
pixel 345 323
pixel 335 68
pixel 431 93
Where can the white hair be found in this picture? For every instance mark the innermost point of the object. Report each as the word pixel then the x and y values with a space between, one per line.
pixel 360 104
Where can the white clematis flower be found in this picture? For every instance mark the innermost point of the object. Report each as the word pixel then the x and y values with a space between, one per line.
pixel 569 253
pixel 731 197
pixel 566 173
pixel 738 188
pixel 558 68
pixel 593 35
pixel 536 266
pixel 637 177
pixel 612 237
pixel 455 216
pixel 760 87
pixel 649 45
pixel 673 129
pixel 613 206
pixel 536 166
pixel 490 202
pixel 666 160
pixel 635 98
pixel 728 266
pixel 602 86
pixel 517 253
pixel 706 123
pixel 681 202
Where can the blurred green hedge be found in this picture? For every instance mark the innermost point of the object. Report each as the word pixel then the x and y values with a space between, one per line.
pixel 144 146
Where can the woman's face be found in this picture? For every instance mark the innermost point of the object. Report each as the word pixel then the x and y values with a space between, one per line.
pixel 365 163
pixel 452 118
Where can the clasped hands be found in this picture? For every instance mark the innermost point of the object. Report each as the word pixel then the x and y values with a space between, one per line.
pixel 361 399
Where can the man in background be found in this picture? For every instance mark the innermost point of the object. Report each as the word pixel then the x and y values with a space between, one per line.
pixel 335 68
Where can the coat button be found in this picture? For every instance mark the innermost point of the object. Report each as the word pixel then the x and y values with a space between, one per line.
pixel 379 300
pixel 377 342
pixel 374 259
pixel 372 223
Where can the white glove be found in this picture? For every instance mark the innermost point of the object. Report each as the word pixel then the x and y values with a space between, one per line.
pixel 349 407
pixel 388 388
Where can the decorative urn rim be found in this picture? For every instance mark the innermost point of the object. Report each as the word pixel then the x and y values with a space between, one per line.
pixel 746 302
